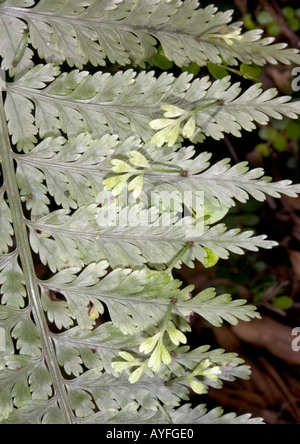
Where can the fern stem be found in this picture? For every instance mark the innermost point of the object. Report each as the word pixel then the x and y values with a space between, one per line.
pixel 163 171
pixel 238 72
pixel 28 265
pixel 20 50
pixel 177 259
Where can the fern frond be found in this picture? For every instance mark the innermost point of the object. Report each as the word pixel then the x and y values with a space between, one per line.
pixel 93 349
pixel 135 300
pixel 221 109
pixel 130 414
pixel 141 236
pixel 199 415
pixel 13 35
pixel 116 393
pixel 216 309
pixel 126 103
pixel 185 362
pixel 183 415
pixel 192 357
pixel 12 284
pixel 73 172
pixel 25 382
pixel 27 378
pixel 77 102
pixel 77 140
pixel 220 183
pixel 128 32
pixel 7 231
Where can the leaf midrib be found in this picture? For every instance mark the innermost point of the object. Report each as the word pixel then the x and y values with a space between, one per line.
pixel 87 103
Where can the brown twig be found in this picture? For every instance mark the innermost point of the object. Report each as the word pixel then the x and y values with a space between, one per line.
pixel 291 401
pixel 272 7
pixel 231 150
pixel 242 5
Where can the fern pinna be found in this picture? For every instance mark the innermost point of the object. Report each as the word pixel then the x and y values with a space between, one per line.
pixel 89 161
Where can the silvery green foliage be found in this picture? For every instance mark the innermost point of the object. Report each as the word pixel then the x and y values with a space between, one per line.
pixel 128 31
pixel 200 415
pixel 72 172
pixel 56 239
pixel 127 102
pixel 69 143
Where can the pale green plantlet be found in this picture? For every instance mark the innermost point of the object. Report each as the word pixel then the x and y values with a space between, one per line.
pixel 189 128
pixel 171 111
pixel 117 183
pixel 229 38
pixel 205 369
pixel 128 363
pixel 168 135
pixel 170 128
pixel 119 166
pixel 131 362
pixel 211 259
pixel 197 386
pixel 136 185
pixel 121 366
pixel 155 344
pixel 176 336
pixel 127 356
pixel 66 135
pixel 142 168
pixel 159 355
pixel 149 344
pixel 161 123
pixel 136 374
pixel 139 160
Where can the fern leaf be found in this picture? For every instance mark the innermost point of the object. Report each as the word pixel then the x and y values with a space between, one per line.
pixel 117 393
pixel 77 140
pixel 12 282
pixel 229 364
pixel 31 385
pixel 220 182
pixel 127 103
pixel 131 243
pixel 131 414
pixel 199 415
pixel 73 172
pixel 93 349
pixel 128 32
pixel 215 309
pixel 222 110
pixel 78 103
pixel 135 300
pixel 5 224
pixel 12 33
